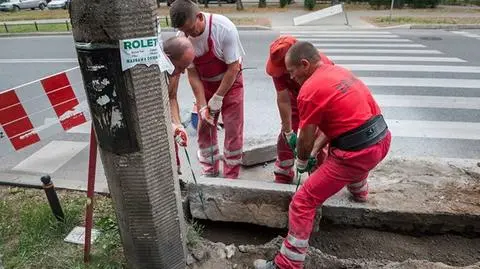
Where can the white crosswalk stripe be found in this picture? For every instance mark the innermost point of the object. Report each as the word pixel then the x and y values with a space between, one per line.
pixel 392 65
pixel 467 34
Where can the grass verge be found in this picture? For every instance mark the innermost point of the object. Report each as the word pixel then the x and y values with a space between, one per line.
pixel 31 238
pixel 385 21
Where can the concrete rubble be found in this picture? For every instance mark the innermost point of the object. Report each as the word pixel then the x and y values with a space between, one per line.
pixel 209 255
pixel 405 195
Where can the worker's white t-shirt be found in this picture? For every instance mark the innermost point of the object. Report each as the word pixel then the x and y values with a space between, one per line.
pixel 226 40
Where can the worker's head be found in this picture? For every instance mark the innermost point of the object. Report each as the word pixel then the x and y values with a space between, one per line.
pixel 186 17
pixel 276 58
pixel 302 60
pixel 180 52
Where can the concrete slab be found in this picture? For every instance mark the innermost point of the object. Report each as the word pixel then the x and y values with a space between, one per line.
pixel 259 153
pixel 412 195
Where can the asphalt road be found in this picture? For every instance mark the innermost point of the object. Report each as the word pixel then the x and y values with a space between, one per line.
pixel 427 85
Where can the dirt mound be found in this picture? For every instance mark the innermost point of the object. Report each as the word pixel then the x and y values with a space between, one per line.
pixel 209 255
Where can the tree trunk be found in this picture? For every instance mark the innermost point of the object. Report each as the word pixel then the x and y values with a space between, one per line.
pixel 239 5
pixel 133 130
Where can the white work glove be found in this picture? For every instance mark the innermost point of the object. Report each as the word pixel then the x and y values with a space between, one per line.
pixel 180 135
pixel 215 103
pixel 205 115
pixel 305 165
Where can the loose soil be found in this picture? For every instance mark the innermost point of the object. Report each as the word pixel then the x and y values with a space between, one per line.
pixel 359 243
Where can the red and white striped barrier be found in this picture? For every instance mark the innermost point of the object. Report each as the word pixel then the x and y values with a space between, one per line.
pixel 39 109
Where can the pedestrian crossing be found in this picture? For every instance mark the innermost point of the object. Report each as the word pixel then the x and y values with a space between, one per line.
pixel 431 100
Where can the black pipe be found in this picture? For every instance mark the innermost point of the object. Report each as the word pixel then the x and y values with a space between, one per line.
pixel 52 198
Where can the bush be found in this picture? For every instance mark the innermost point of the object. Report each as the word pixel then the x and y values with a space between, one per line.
pixel 309 4
pixel 423 3
pixel 377 4
pixel 284 3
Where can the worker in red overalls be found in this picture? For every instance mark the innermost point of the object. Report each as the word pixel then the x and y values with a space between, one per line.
pixel 333 99
pixel 181 53
pixel 287 91
pixel 217 83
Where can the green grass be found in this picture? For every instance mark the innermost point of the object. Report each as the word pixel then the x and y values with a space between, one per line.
pixel 31 237
pixel 383 21
pixel 28 28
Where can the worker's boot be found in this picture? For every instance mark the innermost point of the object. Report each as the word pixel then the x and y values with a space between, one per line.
pixel 264 264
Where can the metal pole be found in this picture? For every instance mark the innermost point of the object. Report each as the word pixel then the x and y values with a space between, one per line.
pixel 344 12
pixel 36 26
pixel 391 10
pixel 68 27
pixel 6 28
pixel 52 198
pixel 92 163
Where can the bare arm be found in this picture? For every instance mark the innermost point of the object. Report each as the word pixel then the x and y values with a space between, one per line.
pixel 228 78
pixel 320 142
pixel 305 142
pixel 172 95
pixel 285 110
pixel 197 87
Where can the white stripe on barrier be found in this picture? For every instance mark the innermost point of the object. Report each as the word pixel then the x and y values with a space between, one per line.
pixel 422 82
pixel 412 68
pixel 394 58
pixel 39 109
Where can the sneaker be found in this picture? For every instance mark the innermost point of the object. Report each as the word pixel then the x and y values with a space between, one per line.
pixel 264 264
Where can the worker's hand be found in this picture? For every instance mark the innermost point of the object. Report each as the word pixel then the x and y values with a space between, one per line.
pixel 215 104
pixel 291 138
pixel 180 135
pixel 305 165
pixel 205 115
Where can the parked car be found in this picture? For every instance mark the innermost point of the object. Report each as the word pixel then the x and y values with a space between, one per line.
pixel 16 5
pixel 55 4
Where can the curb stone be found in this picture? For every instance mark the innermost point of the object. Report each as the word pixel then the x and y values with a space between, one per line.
pixel 169 29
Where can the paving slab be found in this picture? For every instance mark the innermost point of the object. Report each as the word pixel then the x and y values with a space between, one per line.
pixel 412 195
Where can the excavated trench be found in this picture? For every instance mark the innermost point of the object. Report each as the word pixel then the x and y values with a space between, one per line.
pixel 339 247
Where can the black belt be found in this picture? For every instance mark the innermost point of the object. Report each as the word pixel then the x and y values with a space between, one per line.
pixel 363 136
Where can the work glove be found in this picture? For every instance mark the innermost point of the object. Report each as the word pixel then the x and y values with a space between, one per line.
pixel 215 104
pixel 305 165
pixel 180 135
pixel 205 115
pixel 291 138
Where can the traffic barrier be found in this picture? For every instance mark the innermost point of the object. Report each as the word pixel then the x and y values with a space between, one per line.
pixel 39 109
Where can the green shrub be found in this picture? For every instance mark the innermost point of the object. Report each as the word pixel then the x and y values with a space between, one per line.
pixel 284 3
pixel 262 3
pixel 377 4
pixel 309 4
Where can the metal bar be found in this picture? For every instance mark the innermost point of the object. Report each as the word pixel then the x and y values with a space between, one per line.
pixel 36 26
pixel 68 27
pixel 92 162
pixel 6 28
pixel 166 20
pixel 345 13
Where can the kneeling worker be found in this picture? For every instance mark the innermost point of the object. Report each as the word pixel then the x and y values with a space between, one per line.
pixel 339 104
pixel 287 92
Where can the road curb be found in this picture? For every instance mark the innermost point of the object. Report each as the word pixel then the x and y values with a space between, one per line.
pixel 445 26
pixel 169 29
pixel 423 202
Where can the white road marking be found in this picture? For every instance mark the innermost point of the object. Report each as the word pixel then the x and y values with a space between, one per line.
pixel 394 58
pixel 51 157
pixel 413 68
pixel 331 39
pixel 422 82
pixel 363 45
pixel 23 61
pixel 427 101
pixel 434 129
pixel 381 51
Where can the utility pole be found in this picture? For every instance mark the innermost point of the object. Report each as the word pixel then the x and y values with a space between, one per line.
pixel 131 118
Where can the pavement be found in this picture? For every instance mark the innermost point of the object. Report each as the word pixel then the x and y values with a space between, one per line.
pixel 426 82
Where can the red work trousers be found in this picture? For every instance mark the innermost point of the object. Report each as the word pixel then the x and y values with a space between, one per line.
pixel 232 115
pixel 339 169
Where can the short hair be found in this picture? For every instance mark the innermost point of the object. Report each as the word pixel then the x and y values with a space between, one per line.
pixel 175 47
pixel 303 50
pixel 181 11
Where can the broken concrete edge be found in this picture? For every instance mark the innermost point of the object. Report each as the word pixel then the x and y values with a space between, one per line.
pixel 259 154
pixel 266 204
pixel 445 26
pixel 169 29
pixel 206 254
